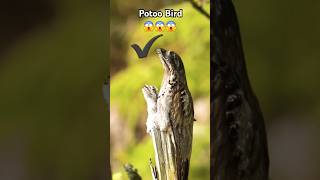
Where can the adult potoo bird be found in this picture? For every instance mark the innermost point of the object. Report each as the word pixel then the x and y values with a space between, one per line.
pixel 239 149
pixel 170 119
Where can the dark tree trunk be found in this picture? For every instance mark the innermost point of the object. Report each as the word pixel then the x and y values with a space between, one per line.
pixel 239 143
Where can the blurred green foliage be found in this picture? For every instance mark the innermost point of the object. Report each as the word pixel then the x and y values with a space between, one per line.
pixel 191 41
pixel 51 104
pixel 281 45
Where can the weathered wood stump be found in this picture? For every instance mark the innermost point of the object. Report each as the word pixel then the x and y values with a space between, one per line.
pixel 239 148
pixel 170 120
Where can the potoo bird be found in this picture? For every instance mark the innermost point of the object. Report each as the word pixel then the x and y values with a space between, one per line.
pixel 170 118
pixel 239 149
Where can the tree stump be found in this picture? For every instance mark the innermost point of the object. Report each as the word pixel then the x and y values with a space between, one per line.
pixel 170 120
pixel 238 136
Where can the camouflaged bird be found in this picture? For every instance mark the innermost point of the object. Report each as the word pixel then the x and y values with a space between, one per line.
pixel 170 118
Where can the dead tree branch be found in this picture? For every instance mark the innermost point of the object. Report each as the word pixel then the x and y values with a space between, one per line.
pixel 239 149
pixel 170 120
pixel 199 8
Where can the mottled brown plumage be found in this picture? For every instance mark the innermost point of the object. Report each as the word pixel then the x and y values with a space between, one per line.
pixel 170 119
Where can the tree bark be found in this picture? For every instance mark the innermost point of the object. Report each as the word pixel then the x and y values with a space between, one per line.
pixel 170 120
pixel 238 136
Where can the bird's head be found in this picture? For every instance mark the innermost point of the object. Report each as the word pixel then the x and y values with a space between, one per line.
pixel 172 65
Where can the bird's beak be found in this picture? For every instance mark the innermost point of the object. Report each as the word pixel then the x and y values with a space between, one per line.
pixel 162 55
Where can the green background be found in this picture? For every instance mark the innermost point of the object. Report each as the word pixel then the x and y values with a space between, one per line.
pixel 53 60
pixel 191 40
